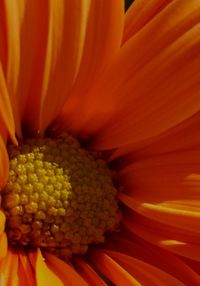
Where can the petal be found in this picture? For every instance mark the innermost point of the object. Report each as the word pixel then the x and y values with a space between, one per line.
pixel 44 275
pixel 3 245
pixel 51 57
pixel 66 34
pixel 152 94
pixel 8 269
pixel 112 269
pixel 165 189
pixel 86 271
pixel 137 248
pixel 164 236
pixel 64 271
pixel 2 222
pixel 139 14
pixel 11 24
pixel 25 272
pixel 6 115
pixel 102 41
pixel 4 164
pixel 184 213
pixel 145 274
pixel 33 41
pixel 182 137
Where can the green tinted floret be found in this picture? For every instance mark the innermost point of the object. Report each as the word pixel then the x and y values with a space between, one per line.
pixel 59 196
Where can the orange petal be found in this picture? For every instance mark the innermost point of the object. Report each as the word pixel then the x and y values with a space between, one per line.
pixel 180 214
pixel 111 269
pixel 102 41
pixel 152 94
pixel 183 136
pixel 133 246
pixel 8 269
pixel 12 64
pixel 3 245
pixel 164 236
pixel 4 164
pixel 44 275
pixel 2 222
pixel 5 110
pixel 139 14
pixel 25 272
pixel 33 41
pixel 145 274
pixel 51 56
pixel 64 271
pixel 56 53
pixel 3 45
pixel 165 188
pixel 193 264
pixel 86 271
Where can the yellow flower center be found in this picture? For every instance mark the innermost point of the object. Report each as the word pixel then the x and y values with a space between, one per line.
pixel 58 196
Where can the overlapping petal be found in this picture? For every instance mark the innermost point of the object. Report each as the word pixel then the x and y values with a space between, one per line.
pixel 130 244
pixel 7 125
pixel 3 245
pixel 52 40
pixel 164 191
pixel 87 272
pixel 102 42
pixel 140 14
pixel 43 274
pixel 4 164
pixel 25 270
pixel 182 137
pixel 144 92
pixel 123 269
pixel 73 43
pixel 64 271
pixel 10 55
pixel 8 269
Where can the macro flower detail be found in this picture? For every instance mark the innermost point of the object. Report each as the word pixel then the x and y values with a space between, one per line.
pixel 99 143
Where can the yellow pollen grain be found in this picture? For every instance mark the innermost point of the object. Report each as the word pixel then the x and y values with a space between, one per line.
pixel 58 196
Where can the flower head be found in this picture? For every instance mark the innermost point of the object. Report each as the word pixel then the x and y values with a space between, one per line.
pixel 126 85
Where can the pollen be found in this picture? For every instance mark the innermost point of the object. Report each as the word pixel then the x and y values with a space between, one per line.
pixel 59 196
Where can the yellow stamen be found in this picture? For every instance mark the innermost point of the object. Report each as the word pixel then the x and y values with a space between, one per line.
pixel 58 196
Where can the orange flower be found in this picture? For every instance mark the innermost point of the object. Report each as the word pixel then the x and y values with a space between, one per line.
pixel 128 84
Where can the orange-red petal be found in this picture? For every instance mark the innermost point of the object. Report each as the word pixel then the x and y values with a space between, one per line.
pixel 64 271
pixel 25 271
pixel 9 268
pixel 131 245
pixel 139 14
pixel 88 273
pixel 111 269
pixel 182 137
pixel 152 94
pixel 3 245
pixel 145 273
pixel 2 222
pixel 11 22
pixel 44 275
pixel 5 108
pixel 102 42
pixel 4 164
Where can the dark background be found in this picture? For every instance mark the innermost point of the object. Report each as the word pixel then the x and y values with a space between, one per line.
pixel 128 3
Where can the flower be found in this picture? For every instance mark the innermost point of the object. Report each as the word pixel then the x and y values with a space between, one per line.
pixel 128 84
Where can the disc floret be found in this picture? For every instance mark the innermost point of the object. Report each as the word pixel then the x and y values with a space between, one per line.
pixel 59 196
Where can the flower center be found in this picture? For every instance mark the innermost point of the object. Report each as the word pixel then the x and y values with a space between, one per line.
pixel 58 196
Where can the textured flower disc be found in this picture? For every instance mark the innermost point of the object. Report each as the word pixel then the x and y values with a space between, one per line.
pixel 58 196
